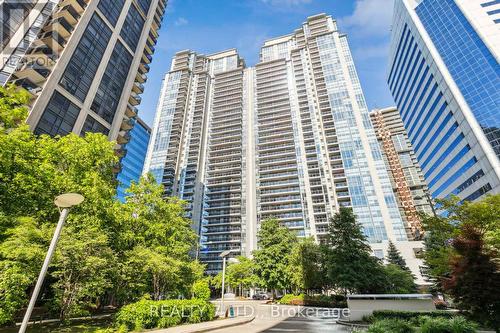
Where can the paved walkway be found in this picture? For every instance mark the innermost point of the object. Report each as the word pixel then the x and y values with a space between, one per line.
pixel 208 326
pixel 256 316
pixel 282 318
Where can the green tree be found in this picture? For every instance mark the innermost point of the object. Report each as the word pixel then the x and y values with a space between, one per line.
pixel 305 266
pixel 33 170
pixel 350 265
pixel 21 256
pixel 399 281
pixel 475 278
pixel 275 243
pixel 154 241
pixel 13 108
pixel 483 215
pixel 439 232
pixel 241 274
pixel 395 257
pixel 81 268
pixel 201 289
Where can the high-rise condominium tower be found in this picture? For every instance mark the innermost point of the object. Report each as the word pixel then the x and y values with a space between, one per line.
pixel 444 74
pixel 404 171
pixel 291 139
pixel 88 64
pixel 21 24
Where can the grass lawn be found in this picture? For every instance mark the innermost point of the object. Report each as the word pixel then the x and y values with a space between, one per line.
pixel 87 326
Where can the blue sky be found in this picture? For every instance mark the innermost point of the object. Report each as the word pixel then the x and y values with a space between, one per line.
pixel 209 26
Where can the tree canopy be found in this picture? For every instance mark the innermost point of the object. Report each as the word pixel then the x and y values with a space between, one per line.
pixel 272 258
pixel 108 252
pixel 350 264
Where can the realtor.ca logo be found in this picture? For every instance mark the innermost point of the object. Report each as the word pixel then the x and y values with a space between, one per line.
pixel 23 21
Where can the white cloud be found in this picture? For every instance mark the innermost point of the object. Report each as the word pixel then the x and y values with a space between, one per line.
pixel 286 2
pixel 369 52
pixel 370 17
pixel 181 21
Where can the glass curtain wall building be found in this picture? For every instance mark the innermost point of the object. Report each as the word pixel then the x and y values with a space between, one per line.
pixel 87 67
pixel 133 162
pixel 406 175
pixel 444 74
pixel 290 138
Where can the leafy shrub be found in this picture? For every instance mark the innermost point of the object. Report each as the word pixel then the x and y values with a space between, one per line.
pixel 147 314
pixel 409 315
pixel 454 325
pixel 201 290
pixel 391 326
pixel 291 299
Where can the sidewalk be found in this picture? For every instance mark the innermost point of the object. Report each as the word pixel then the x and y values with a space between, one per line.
pixel 207 326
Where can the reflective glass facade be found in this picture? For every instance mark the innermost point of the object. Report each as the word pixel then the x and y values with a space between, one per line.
pixel 469 61
pixel 456 159
pixel 133 162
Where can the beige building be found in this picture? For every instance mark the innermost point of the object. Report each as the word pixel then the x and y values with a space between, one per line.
pixel 406 175
pixel 87 66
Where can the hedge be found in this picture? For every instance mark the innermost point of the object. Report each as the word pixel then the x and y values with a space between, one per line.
pixel 147 314
pixel 455 325
pixel 409 315
pixel 391 326
pixel 333 301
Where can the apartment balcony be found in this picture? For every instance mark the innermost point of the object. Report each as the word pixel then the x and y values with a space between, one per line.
pixel 284 216
pixel 224 189
pixel 275 161
pixel 127 124
pixel 343 194
pixel 69 14
pixel 224 230
pixel 223 222
pixel 279 192
pixel 280 199
pixel 147 58
pixel 224 197
pixel 134 99
pixel 214 182
pixel 123 137
pixel 273 176
pixel 224 174
pixel 120 151
pixel 78 5
pixel 276 153
pixel 138 88
pixel 223 205
pixel 217 214
pixel 131 111
pixel 60 26
pixel 33 72
pixel 144 68
pixel 281 183
pixel 341 185
pixel 31 87
pixel 42 55
pixel 54 41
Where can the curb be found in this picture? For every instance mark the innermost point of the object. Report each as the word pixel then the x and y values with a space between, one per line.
pixel 198 328
pixel 352 324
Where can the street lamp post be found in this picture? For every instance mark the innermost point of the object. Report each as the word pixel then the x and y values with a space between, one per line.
pixel 64 202
pixel 223 255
